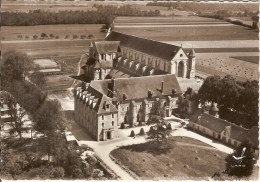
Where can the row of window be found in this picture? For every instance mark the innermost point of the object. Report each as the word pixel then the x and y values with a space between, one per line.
pixel 102 124
pixel 102 116
pixel 151 62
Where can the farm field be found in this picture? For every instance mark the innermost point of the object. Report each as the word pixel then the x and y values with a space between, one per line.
pixel 190 32
pixel 186 158
pixel 221 48
pixel 50 47
pixel 11 32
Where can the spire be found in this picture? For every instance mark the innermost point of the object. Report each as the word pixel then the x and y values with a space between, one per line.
pixel 192 53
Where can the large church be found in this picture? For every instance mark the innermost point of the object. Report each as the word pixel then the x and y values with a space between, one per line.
pixel 124 76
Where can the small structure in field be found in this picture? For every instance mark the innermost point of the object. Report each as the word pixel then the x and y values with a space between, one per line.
pixel 47 65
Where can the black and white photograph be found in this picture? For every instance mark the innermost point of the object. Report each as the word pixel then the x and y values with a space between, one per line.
pixel 129 90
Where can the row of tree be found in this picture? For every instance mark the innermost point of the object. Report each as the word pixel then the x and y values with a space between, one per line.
pixel 102 15
pixel 233 97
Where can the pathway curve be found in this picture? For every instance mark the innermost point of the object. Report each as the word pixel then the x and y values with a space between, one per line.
pixel 103 148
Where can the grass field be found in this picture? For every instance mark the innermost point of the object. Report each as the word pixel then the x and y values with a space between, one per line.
pixel 186 158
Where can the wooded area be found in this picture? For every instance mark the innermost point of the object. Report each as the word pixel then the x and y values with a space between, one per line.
pixel 102 15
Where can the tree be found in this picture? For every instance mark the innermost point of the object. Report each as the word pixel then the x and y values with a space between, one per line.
pixel 210 90
pixel 57 173
pixel 132 134
pixel 15 66
pixel 44 35
pixel 244 166
pixel 12 164
pixel 38 79
pixel 48 118
pixel 159 133
pixel 157 112
pixel 141 132
pixel 18 116
pixel 122 126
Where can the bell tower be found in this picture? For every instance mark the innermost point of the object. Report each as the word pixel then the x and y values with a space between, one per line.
pixel 192 64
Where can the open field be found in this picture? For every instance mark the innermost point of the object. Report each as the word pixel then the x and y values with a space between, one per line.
pixel 12 32
pixel 222 48
pixel 58 82
pixel 191 33
pixel 186 158
pixel 50 47
pixel 169 20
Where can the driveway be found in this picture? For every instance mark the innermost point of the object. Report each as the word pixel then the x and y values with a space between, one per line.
pixel 103 148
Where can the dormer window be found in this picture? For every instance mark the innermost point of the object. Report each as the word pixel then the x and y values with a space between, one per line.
pixel 106 106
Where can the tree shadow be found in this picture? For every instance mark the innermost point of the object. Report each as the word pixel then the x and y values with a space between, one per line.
pixel 152 147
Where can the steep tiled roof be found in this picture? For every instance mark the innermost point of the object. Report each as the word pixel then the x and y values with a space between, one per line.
pixel 137 87
pixel 98 64
pixel 218 125
pixel 211 122
pixel 103 64
pixel 96 100
pixel 151 47
pixel 106 46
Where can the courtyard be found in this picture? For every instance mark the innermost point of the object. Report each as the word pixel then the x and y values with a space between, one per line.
pixel 183 158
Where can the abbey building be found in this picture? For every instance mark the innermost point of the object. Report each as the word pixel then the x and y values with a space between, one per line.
pixel 124 76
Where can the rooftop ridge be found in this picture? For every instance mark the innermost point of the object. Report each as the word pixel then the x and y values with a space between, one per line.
pixel 145 38
pixel 233 124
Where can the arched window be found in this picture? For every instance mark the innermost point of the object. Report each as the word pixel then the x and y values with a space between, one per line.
pixel 180 69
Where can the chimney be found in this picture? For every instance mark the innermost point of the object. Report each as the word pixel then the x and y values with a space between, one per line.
pixel 112 84
pixel 162 86
pixel 173 91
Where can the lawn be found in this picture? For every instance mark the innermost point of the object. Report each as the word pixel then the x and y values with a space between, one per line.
pixel 186 158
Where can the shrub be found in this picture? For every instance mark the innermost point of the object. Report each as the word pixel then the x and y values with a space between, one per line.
pixel 169 126
pixel 19 36
pixel 97 173
pixel 35 37
pixel 67 36
pixel 51 35
pixel 83 36
pixel 91 160
pixel 77 173
pixel 90 36
pixel 75 36
pixel 26 37
pixel 57 172
pixel 57 37
pixel 43 35
pixel 132 134
pixel 122 126
pixel 141 131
